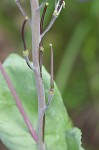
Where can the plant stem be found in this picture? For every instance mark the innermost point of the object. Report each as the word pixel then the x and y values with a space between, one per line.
pixel 35 27
pixel 20 7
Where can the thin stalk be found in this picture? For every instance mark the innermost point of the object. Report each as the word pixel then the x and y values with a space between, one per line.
pixel 41 49
pixel 36 38
pixel 52 69
pixel 18 103
pixel 58 7
pixel 51 91
pixel 20 7
pixel 43 17
pixel 25 52
pixel 22 34
pixel 22 10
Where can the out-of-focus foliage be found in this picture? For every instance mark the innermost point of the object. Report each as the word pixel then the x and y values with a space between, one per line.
pixel 75 37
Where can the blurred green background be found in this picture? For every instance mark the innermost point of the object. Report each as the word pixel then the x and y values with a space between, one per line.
pixel 75 39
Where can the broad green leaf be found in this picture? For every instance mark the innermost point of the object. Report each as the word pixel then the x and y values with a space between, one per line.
pixel 13 131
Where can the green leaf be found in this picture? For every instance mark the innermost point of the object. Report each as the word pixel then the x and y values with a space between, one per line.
pixel 13 131
pixel 73 139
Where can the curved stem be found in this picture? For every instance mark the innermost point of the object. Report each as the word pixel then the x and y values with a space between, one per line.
pixel 22 33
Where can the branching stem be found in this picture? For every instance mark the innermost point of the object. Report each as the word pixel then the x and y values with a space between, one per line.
pixel 35 27
pixel 37 35
pixel 58 7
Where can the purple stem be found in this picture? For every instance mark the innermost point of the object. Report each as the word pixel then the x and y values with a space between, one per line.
pixel 18 103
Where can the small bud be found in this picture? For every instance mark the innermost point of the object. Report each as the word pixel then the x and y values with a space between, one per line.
pixel 55 13
pixel 25 53
pixel 42 48
pixel 50 45
pixel 47 4
pixel 51 91
pixel 63 4
pixel 26 18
